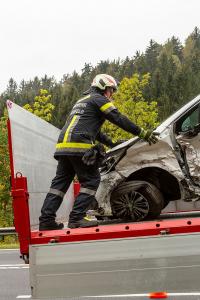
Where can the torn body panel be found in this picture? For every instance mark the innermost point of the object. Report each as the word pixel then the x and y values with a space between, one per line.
pixel 108 183
pixel 168 163
pixel 191 150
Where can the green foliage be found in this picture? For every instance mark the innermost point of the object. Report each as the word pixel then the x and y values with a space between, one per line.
pixel 5 199
pixel 41 106
pixel 130 101
pixel 9 241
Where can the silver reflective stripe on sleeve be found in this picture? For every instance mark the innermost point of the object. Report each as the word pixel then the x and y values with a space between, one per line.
pixel 87 191
pixel 57 192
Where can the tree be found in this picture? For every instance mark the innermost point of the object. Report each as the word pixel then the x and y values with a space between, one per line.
pixel 5 199
pixel 11 91
pixel 151 55
pixel 130 102
pixel 41 106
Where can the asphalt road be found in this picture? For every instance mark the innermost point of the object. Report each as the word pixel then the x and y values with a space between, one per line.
pixel 14 275
pixel 14 282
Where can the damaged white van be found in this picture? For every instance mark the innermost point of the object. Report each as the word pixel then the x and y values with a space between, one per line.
pixel 139 181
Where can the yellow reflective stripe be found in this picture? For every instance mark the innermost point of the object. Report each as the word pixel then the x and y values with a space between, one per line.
pixel 73 145
pixel 89 219
pixel 106 106
pixel 68 129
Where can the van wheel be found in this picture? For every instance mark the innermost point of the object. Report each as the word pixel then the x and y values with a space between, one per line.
pixel 136 200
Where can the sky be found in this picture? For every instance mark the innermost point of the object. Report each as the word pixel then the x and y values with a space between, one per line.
pixel 56 37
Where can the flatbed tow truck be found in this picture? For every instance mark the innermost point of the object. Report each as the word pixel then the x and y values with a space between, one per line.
pixel 153 259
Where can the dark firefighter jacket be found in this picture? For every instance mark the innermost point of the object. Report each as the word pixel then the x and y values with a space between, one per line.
pixel 83 125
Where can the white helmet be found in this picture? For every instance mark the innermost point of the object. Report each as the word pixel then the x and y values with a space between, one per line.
pixel 102 81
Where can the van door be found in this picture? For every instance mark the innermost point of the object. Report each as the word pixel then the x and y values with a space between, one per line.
pixel 187 133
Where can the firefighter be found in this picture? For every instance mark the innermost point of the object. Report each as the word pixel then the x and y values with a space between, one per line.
pixel 78 154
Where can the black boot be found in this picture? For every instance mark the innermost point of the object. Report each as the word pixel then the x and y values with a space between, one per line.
pixel 50 225
pixel 83 223
pixel 48 213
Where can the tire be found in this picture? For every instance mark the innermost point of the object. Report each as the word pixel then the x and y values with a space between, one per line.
pixel 136 201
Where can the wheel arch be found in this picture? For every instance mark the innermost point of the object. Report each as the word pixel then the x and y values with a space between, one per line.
pixel 163 180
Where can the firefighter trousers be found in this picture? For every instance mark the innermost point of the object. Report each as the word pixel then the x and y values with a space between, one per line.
pixel 89 179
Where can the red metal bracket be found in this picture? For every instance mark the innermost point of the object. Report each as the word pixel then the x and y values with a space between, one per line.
pixel 76 188
pixel 21 212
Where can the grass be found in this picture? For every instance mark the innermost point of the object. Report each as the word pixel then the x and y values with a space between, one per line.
pixel 9 246
pixel 9 242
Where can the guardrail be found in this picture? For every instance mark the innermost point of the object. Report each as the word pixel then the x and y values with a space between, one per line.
pixel 7 231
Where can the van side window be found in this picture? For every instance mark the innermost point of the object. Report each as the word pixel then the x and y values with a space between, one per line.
pixel 191 121
pixel 188 121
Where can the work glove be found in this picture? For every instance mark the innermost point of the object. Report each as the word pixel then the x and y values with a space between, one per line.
pixel 94 155
pixel 149 136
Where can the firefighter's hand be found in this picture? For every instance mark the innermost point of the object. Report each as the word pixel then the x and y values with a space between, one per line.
pixel 94 155
pixel 149 136
pixel 90 156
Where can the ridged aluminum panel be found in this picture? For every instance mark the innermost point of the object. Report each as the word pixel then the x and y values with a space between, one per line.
pixel 114 267
pixel 33 145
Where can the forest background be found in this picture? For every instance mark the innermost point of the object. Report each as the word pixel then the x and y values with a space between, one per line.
pixel 154 85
